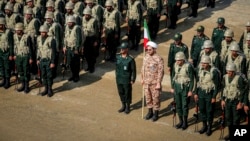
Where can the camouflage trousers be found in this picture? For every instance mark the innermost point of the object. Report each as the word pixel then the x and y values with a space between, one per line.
pixel 152 96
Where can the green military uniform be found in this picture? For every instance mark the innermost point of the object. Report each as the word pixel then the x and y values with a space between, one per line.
pixel 58 16
pixel 239 61
pixel 207 88
pixel 125 76
pixel 73 42
pixel 78 7
pixel 154 8
pixel 23 53
pixel 60 5
pixel 37 10
pixel 218 35
pixel 173 11
pixel 46 54
pixel 196 46
pixel 11 18
pixel 194 4
pixel 69 12
pixel 183 78
pixel 6 51
pixel 134 16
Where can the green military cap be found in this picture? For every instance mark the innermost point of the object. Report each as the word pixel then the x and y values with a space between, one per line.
pixel 221 20
pixel 177 36
pixel 123 45
pixel 200 28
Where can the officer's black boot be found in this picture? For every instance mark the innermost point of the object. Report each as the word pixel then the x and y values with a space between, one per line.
pixel 3 82
pixel 149 114
pixel 209 129
pixel 22 87
pixel 122 108
pixel 7 83
pixel 50 92
pixel 204 128
pixel 185 124
pixel 179 125
pixel 26 88
pixel 155 116
pixel 45 91
pixel 127 109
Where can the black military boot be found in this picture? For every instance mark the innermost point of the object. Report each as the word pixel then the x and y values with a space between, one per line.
pixel 3 82
pixel 7 83
pixel 149 114
pixel 204 128
pixel 155 116
pixel 122 109
pixel 185 124
pixel 45 91
pixel 127 109
pixel 22 87
pixel 209 129
pixel 179 125
pixel 26 87
pixel 50 92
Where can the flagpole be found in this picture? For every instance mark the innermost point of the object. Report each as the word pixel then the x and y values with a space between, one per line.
pixel 143 87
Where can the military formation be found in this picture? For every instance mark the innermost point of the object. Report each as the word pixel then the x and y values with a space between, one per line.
pixel 37 35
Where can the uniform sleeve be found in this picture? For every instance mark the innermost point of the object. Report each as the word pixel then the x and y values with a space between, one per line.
pixel 11 43
pixel 242 83
pixel 117 23
pixel 58 35
pixel 29 44
pixel 192 48
pixel 216 81
pixel 96 28
pixel 217 62
pixel 243 66
pixel 160 71
pixel 241 41
pixel 133 70
pixel 186 52
pixel 191 75
pixel 37 25
pixel 196 71
pixel 79 38
pixel 159 9
pixel 172 76
pixel 53 47
pixel 99 14
pixel 139 20
pixel 170 56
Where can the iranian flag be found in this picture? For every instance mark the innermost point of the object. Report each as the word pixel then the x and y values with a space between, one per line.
pixel 146 34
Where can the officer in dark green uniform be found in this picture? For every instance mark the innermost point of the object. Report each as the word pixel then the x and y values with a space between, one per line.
pixel 174 48
pixel 125 76
pixel 234 90
pixel 46 58
pixel 194 4
pixel 183 77
pixel 208 78
pixel 218 34
pixel 173 7
pixel 6 53
pixel 197 44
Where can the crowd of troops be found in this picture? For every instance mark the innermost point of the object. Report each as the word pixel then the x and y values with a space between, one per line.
pixel 217 67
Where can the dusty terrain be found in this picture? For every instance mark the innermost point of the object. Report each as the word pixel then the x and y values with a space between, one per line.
pixel 87 110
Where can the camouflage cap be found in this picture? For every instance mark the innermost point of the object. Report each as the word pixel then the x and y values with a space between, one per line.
pixel 177 37
pixel 200 28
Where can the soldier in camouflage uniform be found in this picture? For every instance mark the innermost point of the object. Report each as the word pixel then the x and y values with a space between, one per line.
pixel 18 7
pixel 55 30
pixel 237 58
pixel 152 73
pixel 232 98
pixel 125 76
pixel 111 29
pixel 244 35
pixel 37 11
pixel 78 7
pixel 58 16
pixel 6 53
pixel 218 34
pixel 46 58
pixel 134 20
pixel 197 43
pixel 69 12
pixel 175 47
pixel 72 44
pixel 22 56
pixel 154 8
pixel 90 30
pixel 60 5
pixel 10 17
pixel 246 48
pixel 208 79
pixel 208 50
pixel 183 78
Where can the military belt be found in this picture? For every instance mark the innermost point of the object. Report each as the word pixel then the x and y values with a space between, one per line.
pixel 22 55
pixel 45 59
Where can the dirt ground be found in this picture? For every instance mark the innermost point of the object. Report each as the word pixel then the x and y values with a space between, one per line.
pixel 87 110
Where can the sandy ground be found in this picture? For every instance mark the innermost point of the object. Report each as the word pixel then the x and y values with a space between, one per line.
pixel 87 110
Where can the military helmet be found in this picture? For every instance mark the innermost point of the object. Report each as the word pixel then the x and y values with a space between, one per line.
pixel 87 11
pixel 50 3
pixel 49 15
pixel 28 11
pixel 71 19
pixel 109 3
pixel 205 59
pixel 123 45
pixel 248 23
pixel 89 1
pixel 19 26
pixel 229 33
pixel 180 56
pixel 69 5
pixel 8 7
pixel 208 44
pixel 248 37
pixel 177 37
pixel 231 67
pixel 200 28
pixel 44 28
pixel 220 20
pixel 234 47
pixel 28 0
pixel 2 21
